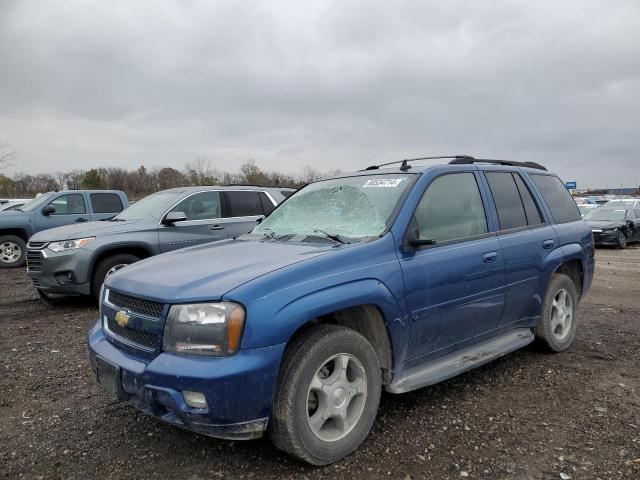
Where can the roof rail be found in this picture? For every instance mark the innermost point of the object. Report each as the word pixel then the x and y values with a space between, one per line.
pixel 405 163
pixel 471 160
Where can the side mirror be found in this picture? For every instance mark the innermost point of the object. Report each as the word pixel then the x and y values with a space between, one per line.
pixel 415 241
pixel 173 217
pixel 48 210
pixel 259 220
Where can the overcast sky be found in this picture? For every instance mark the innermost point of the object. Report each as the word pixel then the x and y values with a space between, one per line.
pixel 339 84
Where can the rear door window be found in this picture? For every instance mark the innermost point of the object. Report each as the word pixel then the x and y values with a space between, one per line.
pixel 557 197
pixel 106 203
pixel 71 204
pixel 451 209
pixel 530 207
pixel 244 204
pixel 267 204
pixel 511 212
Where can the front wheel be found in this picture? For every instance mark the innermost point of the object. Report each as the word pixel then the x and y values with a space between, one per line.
pixel 622 239
pixel 327 395
pixel 107 267
pixel 13 251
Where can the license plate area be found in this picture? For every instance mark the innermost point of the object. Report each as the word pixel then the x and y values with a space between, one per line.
pixel 109 378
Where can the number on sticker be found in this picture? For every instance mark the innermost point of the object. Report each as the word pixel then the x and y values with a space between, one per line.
pixel 382 182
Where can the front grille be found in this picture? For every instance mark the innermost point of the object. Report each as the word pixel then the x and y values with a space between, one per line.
pixel 36 282
pixel 35 259
pixel 37 245
pixel 146 340
pixel 135 305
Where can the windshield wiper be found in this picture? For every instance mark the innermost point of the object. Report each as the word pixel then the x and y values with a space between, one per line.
pixel 331 236
pixel 270 234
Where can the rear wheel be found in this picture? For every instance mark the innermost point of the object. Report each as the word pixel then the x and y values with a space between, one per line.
pixel 558 324
pixel 107 267
pixel 13 251
pixel 327 395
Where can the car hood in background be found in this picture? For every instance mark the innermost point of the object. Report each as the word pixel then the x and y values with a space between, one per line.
pixel 208 272
pixel 87 229
pixel 602 224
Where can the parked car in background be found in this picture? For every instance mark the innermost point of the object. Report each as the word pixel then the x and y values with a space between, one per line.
pixel 12 205
pixel 584 201
pixel 75 259
pixel 623 203
pixel 50 210
pixel 393 278
pixel 614 226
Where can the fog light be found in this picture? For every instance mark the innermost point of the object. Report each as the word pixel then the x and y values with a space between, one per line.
pixel 194 399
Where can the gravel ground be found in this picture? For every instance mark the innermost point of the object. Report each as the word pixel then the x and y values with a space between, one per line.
pixel 529 415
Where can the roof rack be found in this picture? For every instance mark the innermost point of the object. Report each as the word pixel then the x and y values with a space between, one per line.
pixel 405 163
pixel 471 160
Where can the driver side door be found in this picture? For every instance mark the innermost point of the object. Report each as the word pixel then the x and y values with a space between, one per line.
pixel 204 223
pixel 69 208
pixel 454 287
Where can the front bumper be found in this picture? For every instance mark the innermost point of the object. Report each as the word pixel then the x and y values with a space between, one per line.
pixel 238 389
pixel 59 273
pixel 606 237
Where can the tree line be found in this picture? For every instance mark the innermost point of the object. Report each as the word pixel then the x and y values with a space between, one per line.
pixel 144 181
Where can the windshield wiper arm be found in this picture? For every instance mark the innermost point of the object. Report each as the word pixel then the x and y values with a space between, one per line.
pixel 332 236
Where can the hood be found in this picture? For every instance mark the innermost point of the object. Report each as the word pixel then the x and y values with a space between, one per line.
pixel 208 272
pixel 88 229
pixel 602 224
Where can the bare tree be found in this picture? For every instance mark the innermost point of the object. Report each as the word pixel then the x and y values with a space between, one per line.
pixel 5 156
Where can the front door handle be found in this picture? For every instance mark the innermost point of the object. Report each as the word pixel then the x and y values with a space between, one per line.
pixel 216 227
pixel 548 244
pixel 80 220
pixel 490 257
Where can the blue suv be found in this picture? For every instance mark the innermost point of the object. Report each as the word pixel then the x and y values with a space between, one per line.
pixel 394 278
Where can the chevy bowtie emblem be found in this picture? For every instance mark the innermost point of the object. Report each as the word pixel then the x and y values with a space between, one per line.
pixel 122 319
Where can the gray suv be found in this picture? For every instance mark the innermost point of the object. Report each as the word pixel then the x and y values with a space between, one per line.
pixel 75 259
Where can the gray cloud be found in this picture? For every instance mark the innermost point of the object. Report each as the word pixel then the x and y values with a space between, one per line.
pixel 333 84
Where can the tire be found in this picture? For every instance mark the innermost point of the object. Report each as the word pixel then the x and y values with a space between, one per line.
pixel 296 400
pixel 622 240
pixel 13 251
pixel 555 331
pixel 104 268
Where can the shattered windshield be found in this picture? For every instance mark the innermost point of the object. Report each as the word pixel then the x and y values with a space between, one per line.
pixel 351 208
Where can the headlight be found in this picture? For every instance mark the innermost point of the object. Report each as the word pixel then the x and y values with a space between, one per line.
pixel 204 329
pixel 65 245
pixel 609 229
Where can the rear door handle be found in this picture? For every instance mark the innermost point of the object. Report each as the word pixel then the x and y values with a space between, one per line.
pixel 547 244
pixel 80 220
pixel 216 227
pixel 490 257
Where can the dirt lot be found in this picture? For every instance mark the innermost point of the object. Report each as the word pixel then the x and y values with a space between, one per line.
pixel 529 415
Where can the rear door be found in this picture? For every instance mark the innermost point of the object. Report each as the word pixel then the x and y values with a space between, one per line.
pixel 455 287
pixel 245 209
pixel 204 223
pixel 105 205
pixel 526 239
pixel 69 208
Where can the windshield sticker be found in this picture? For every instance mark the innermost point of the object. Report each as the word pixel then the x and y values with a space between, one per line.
pixel 382 182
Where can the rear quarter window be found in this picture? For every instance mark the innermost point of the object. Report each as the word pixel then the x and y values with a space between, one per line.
pixel 557 197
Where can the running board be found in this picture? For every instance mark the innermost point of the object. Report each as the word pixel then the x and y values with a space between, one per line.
pixel 453 364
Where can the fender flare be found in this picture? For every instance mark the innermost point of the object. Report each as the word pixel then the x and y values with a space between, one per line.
pixel 369 291
pixel 116 246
